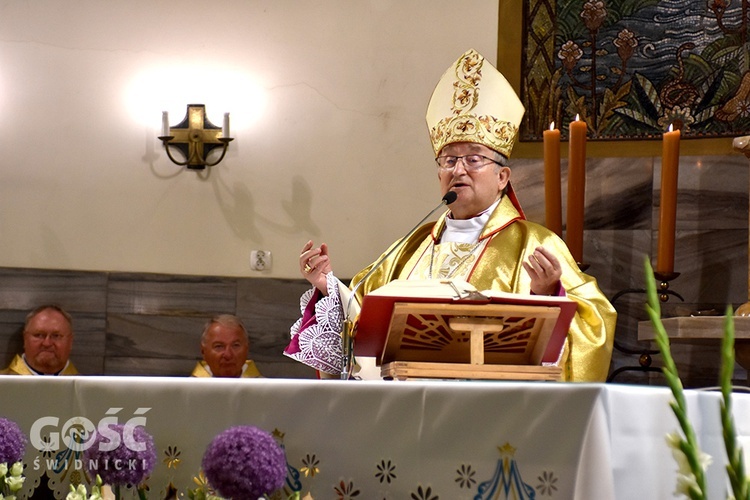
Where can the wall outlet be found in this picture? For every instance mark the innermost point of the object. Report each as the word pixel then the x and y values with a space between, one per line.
pixel 260 260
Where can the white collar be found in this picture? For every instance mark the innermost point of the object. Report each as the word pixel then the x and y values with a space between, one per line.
pixel 466 230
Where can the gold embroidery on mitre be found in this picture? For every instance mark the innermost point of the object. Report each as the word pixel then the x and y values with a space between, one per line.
pixel 493 133
pixel 466 89
pixel 491 119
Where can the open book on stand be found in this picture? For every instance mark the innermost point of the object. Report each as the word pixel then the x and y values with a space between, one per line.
pixel 450 324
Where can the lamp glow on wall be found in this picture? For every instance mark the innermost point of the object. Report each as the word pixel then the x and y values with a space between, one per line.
pixel 195 137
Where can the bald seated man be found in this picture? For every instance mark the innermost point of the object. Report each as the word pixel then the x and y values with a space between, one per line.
pixel 47 342
pixel 225 346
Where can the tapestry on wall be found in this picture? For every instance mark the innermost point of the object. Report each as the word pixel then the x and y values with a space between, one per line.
pixel 632 68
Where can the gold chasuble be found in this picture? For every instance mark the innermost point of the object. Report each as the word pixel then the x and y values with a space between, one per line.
pixel 202 370
pixel 494 263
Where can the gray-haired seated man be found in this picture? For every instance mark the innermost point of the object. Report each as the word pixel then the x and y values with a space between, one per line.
pixel 225 346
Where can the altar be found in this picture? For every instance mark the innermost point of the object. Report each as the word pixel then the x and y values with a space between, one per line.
pixel 378 439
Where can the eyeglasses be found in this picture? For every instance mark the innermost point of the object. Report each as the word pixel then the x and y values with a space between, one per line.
pixel 234 347
pixel 54 337
pixel 472 163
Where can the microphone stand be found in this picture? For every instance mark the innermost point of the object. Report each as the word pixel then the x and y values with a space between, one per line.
pixel 347 335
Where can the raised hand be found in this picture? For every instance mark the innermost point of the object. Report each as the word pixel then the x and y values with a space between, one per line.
pixel 544 270
pixel 314 264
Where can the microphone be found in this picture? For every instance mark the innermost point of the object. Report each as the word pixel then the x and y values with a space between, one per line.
pixel 450 197
pixel 447 199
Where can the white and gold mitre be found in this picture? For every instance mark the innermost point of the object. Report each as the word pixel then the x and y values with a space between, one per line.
pixel 473 102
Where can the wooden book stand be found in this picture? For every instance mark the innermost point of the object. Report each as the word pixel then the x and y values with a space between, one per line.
pixel 436 329
pixel 469 341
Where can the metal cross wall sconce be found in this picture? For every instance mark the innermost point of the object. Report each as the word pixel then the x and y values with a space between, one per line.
pixel 195 136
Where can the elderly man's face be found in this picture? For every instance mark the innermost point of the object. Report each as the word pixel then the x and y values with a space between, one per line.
pixel 225 350
pixel 477 189
pixel 47 341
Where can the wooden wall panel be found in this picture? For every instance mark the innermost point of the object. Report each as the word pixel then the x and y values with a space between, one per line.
pixel 150 324
pixel 170 295
pixel 76 291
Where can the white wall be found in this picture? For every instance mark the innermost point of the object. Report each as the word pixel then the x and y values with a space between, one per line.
pixel 327 100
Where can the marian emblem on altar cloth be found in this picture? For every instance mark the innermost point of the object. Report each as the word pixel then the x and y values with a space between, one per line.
pixel 506 483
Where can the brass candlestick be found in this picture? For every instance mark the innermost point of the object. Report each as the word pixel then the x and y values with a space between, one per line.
pixel 664 291
pixel 644 355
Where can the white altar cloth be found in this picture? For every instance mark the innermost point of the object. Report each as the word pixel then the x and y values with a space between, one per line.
pixel 384 439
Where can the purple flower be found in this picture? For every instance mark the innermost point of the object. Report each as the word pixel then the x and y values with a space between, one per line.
pixel 12 442
pixel 122 455
pixel 244 462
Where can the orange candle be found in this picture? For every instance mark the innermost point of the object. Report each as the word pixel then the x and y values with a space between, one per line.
pixel 576 188
pixel 670 161
pixel 552 189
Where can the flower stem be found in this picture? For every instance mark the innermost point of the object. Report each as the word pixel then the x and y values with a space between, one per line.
pixel 735 465
pixel 689 445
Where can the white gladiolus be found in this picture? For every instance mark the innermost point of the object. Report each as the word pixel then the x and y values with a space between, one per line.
pixel 686 480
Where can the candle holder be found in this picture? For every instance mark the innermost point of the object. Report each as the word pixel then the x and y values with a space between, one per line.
pixel 664 291
pixel 644 355
pixel 743 310
pixel 195 137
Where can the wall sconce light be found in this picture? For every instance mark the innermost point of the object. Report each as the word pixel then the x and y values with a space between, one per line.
pixel 195 136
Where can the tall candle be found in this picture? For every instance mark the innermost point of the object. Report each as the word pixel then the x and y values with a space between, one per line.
pixel 576 187
pixel 225 128
pixel 670 160
pixel 552 184
pixel 164 123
